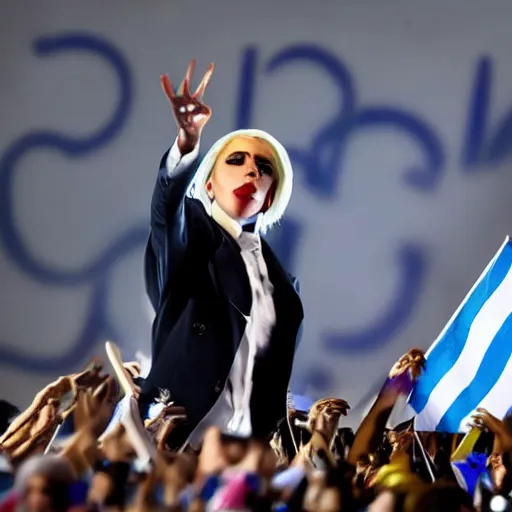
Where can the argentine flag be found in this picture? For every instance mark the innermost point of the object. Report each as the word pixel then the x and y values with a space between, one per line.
pixel 470 363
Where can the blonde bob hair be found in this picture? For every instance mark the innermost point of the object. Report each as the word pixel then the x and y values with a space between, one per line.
pixel 284 175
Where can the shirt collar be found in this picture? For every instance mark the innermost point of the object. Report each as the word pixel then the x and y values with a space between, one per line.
pixel 231 225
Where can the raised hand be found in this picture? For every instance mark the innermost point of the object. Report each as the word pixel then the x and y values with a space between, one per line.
pixel 116 446
pixel 93 409
pixel 324 416
pixel 212 459
pixel 190 112
pixel 323 420
pixel 400 442
pixel 484 420
pixel 413 362
pixel 402 376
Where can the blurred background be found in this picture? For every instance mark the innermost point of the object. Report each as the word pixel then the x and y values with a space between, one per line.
pixel 398 119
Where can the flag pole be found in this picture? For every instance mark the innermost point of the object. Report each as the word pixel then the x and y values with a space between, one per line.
pixel 426 456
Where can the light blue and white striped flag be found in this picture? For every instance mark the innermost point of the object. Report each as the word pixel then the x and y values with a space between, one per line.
pixel 470 363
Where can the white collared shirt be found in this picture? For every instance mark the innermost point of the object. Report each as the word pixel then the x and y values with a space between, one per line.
pixel 231 412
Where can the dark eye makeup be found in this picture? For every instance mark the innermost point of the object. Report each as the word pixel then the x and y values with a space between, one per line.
pixel 236 159
pixel 263 164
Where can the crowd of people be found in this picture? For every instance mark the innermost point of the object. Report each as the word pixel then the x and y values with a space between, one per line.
pixel 71 450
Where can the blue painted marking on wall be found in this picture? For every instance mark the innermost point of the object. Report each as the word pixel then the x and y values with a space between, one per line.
pixel 96 325
pixel 320 165
pixel 477 119
pixel 72 148
pixel 485 145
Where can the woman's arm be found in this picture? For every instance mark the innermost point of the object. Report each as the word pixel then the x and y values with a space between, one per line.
pixel 169 238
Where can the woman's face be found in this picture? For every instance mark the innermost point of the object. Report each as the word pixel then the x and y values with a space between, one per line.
pixel 244 177
pixel 38 495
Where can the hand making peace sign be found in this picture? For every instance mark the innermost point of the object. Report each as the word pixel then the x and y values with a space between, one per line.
pixel 190 112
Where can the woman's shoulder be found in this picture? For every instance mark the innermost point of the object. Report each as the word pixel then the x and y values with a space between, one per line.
pixel 202 228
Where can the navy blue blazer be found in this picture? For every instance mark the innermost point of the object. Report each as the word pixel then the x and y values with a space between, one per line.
pixel 197 283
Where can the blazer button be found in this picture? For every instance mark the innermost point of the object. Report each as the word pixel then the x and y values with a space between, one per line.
pixel 218 387
pixel 199 328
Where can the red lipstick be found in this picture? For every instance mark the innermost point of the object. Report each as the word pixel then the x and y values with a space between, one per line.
pixel 246 191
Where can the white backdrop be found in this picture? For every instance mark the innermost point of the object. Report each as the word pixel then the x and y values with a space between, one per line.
pixel 398 206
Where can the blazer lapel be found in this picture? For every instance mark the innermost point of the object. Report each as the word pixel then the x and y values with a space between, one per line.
pixel 230 275
pixel 286 297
